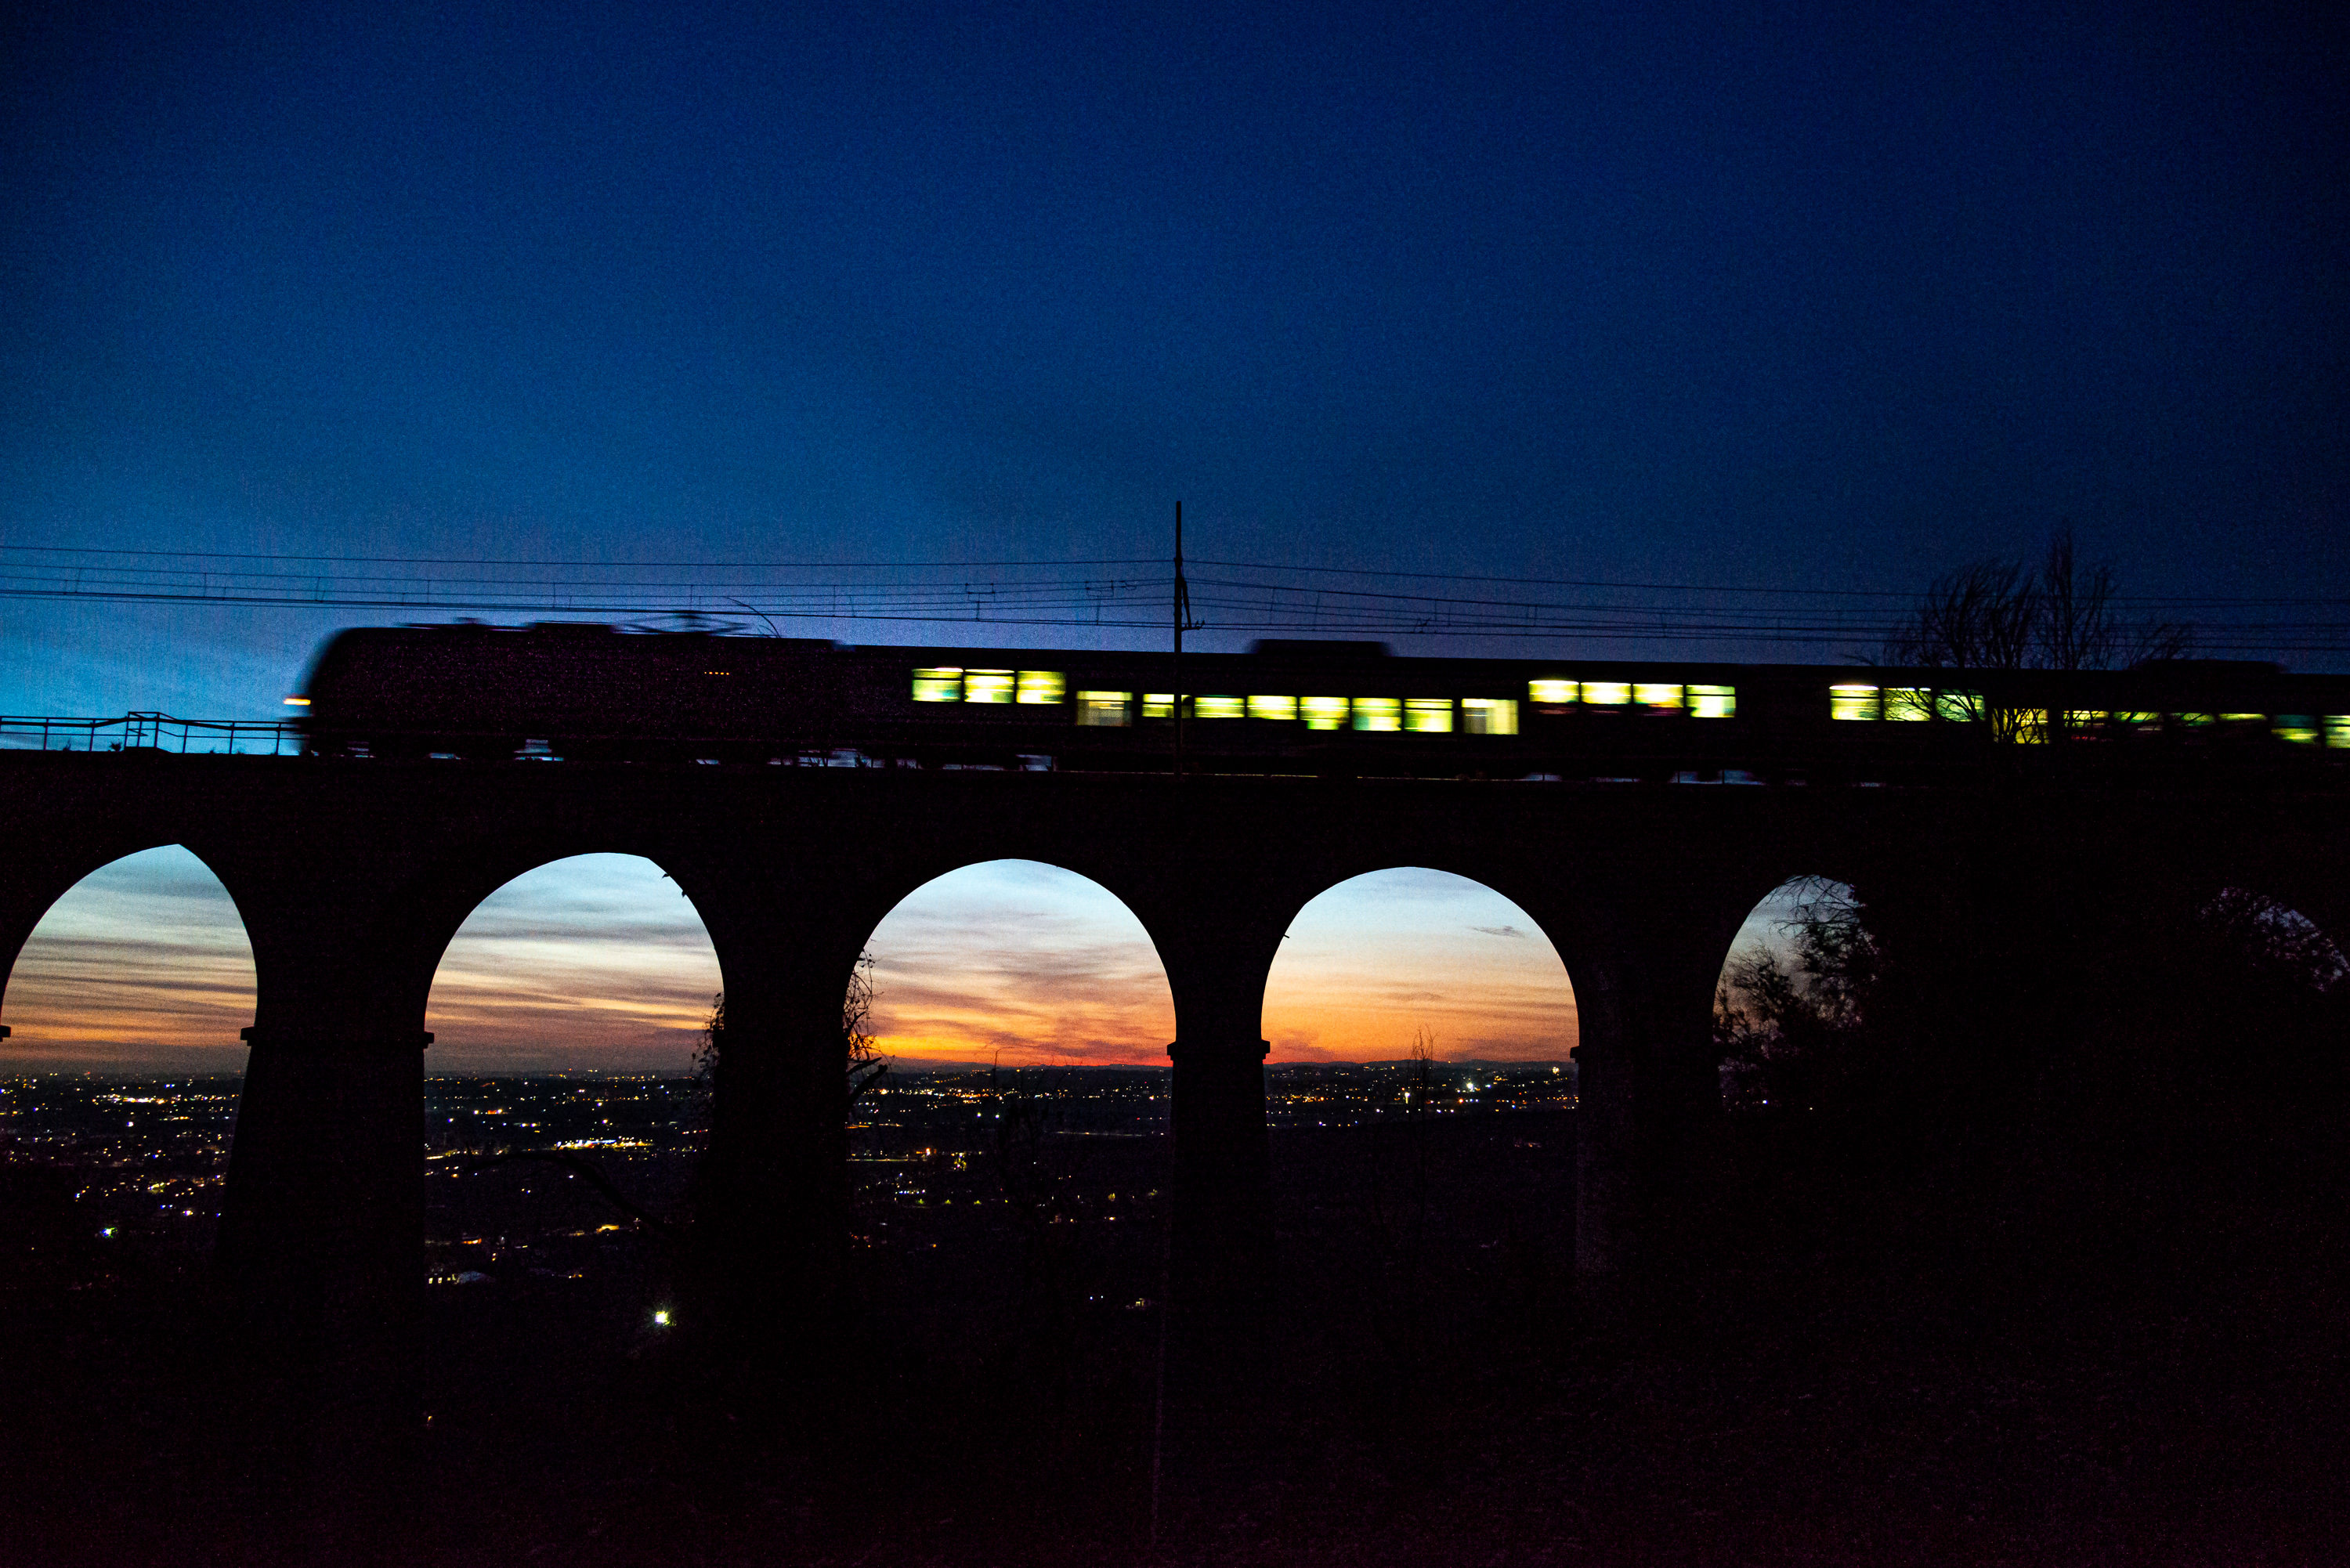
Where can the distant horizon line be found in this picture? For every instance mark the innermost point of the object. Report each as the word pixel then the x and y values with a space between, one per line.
pixel 906 1064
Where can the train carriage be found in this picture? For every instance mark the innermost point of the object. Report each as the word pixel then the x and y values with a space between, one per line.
pixel 589 692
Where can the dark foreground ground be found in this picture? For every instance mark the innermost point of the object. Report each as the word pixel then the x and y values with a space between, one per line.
pixel 2045 1366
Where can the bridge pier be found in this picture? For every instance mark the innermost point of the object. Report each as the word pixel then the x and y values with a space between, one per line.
pixel 322 1215
pixel 1648 1095
pixel 1215 1361
pixel 321 1242
pixel 763 1286
pixel 1217 1377
pixel 771 1230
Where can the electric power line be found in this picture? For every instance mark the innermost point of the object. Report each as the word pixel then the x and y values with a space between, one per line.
pixel 1106 592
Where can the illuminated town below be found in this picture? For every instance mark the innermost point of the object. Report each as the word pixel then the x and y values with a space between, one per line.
pixel 554 1177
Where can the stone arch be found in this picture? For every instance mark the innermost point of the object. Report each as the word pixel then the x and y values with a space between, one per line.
pixel 188 880
pixel 1515 928
pixel 565 1011
pixel 1056 892
pixel 2273 908
pixel 2277 946
pixel 128 989
pixel 584 894
pixel 1764 937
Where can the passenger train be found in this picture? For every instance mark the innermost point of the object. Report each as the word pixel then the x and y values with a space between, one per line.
pixel 593 693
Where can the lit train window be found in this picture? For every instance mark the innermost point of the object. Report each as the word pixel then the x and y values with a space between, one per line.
pixel 1908 704
pixel 1658 699
pixel 1555 693
pixel 1958 707
pixel 987 686
pixel 1714 702
pixel 943 684
pixel 1323 713
pixel 1428 715
pixel 1218 707
pixel 1378 713
pixel 2300 729
pixel 1489 715
pixel 2338 731
pixel 2192 720
pixel 1102 709
pixel 2086 718
pixel 1273 707
pixel 2031 726
pixel 2243 718
pixel 1607 693
pixel 1852 702
pixel 1040 685
pixel 1158 704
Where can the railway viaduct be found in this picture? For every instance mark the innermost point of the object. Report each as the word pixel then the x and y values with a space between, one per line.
pixel 352 876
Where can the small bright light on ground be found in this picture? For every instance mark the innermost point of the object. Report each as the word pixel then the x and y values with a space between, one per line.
pixel 660 1319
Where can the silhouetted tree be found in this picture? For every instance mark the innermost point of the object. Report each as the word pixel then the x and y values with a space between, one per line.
pixel 2003 614
pixel 1789 1034
pixel 866 1065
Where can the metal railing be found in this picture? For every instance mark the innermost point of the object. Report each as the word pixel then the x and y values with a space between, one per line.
pixel 153 732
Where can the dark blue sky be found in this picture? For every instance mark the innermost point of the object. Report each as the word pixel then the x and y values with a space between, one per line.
pixel 1798 299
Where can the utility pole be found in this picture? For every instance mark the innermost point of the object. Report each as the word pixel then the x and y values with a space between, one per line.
pixel 1182 615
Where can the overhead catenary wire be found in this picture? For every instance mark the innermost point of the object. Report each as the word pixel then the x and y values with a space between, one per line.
pixel 1100 593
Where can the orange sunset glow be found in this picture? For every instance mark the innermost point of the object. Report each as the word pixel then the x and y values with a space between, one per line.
pixel 598 962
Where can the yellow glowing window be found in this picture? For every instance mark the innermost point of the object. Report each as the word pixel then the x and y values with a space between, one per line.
pixel 1714 702
pixel 2243 718
pixel 2031 726
pixel 1852 701
pixel 1428 715
pixel 1489 715
pixel 1658 699
pixel 1607 693
pixel 1038 685
pixel 2191 718
pixel 2084 718
pixel 1908 704
pixel 943 684
pixel 1218 708
pixel 1958 707
pixel 1158 704
pixel 2300 729
pixel 1105 710
pixel 1556 693
pixel 1378 713
pixel 2338 731
pixel 987 686
pixel 1324 712
pixel 1273 707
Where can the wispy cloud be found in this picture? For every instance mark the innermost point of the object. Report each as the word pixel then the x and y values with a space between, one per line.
pixel 1020 960
pixel 142 965
pixel 599 962
pixel 596 960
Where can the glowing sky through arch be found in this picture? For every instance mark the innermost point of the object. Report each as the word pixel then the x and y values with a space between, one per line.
pixel 143 965
pixel 599 962
pixel 1021 962
pixel 1381 957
